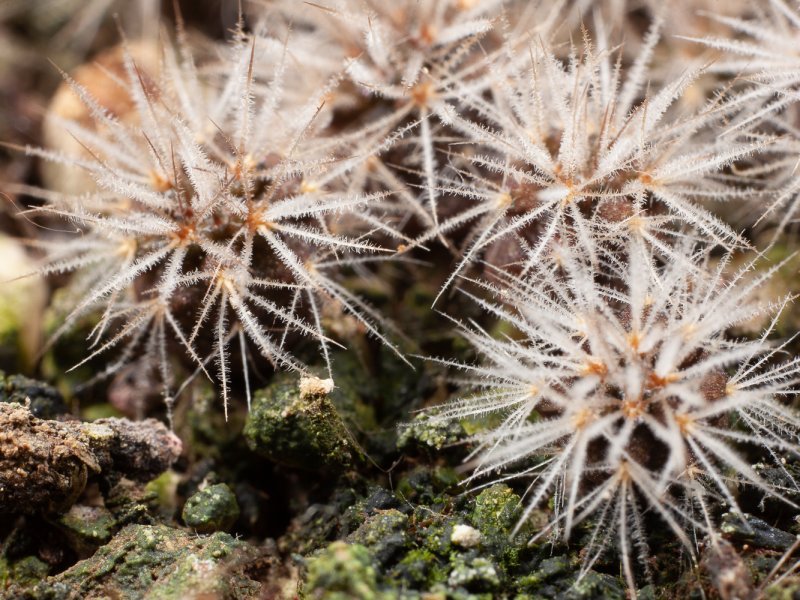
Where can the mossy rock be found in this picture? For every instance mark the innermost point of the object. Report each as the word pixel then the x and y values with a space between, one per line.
pixel 755 532
pixel 296 430
pixel 213 508
pixel 87 527
pixel 496 513
pixel 474 573
pixel 597 585
pixel 425 432
pixel 787 589
pixel 46 402
pixel 419 569
pixel 429 486
pixel 342 572
pixel 156 563
pixel 26 571
pixel 557 577
pixel 384 534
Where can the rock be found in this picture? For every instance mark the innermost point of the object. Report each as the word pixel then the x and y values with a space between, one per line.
pixel 87 527
pixel 296 430
pixel 46 402
pixel 786 589
pixel 475 574
pixel 755 532
pixel 45 465
pixel 426 432
pixel 419 569
pixel 384 534
pixel 25 571
pixel 213 508
pixel 496 513
pixel 465 536
pixel 342 572
pixel 156 563
pixel 141 450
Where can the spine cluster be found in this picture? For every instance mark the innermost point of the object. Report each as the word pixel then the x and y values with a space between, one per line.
pixel 588 195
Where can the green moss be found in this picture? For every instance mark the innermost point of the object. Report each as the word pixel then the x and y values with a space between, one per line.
pixel 204 427
pixel 303 432
pixel 384 534
pixel 549 569
pixel 70 348
pixel 419 569
pixel 204 574
pixel 556 577
pixel 342 572
pixel 788 589
pixel 428 486
pixel 784 282
pixel 476 574
pixel 597 585
pixel 87 527
pixel 211 509
pixel 497 509
pixel 496 512
pixel 163 489
pixel 99 411
pixel 426 433
pixel 353 385
pixel 26 571
pixel 158 562
pixel 437 533
pixel 22 302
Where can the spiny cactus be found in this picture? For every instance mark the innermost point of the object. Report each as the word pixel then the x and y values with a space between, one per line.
pixel 219 195
pixel 618 392
pixel 204 231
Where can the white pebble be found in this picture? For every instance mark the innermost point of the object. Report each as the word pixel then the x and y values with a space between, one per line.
pixel 465 536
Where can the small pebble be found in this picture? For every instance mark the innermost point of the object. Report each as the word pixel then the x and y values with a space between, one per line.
pixel 465 536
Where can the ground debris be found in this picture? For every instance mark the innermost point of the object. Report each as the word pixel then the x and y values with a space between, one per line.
pixel 45 465
pixel 155 561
